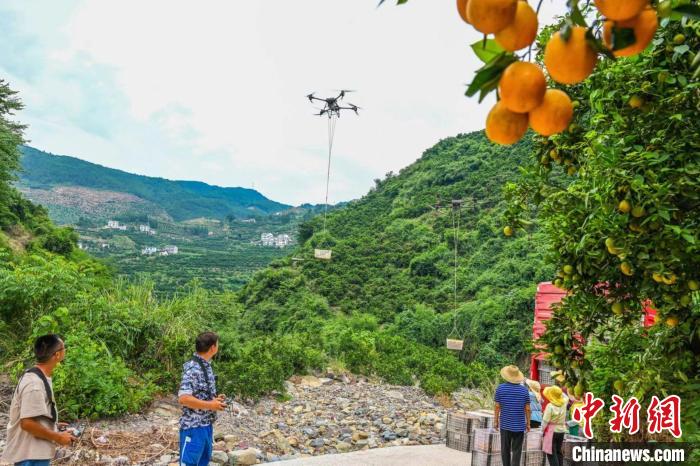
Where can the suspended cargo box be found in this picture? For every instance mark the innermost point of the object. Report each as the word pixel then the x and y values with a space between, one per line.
pixel 454 344
pixel 323 254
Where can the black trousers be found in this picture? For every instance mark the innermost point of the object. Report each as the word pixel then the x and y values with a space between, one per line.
pixel 511 444
pixel 556 458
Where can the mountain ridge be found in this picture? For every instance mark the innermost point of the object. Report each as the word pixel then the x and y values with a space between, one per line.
pixel 181 199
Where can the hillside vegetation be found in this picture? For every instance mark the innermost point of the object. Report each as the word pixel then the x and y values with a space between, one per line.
pixel 393 257
pixel 383 306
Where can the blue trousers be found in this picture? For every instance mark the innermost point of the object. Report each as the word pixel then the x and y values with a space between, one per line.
pixel 196 446
pixel 34 463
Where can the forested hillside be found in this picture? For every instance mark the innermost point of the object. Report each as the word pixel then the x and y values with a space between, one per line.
pixel 42 173
pixel 382 306
pixel 393 257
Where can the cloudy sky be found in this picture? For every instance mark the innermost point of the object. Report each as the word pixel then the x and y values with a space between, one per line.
pixel 214 90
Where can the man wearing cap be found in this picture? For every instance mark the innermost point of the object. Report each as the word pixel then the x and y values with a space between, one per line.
pixel 512 414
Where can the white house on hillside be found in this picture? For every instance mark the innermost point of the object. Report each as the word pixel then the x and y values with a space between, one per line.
pixel 267 239
pixel 169 250
pixel 283 240
pixel 148 250
pixel 114 225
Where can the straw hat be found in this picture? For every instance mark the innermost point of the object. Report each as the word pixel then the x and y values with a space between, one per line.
pixel 512 374
pixel 554 395
pixel 535 388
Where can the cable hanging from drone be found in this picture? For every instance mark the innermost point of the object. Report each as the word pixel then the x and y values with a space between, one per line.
pixel 454 341
pixel 332 108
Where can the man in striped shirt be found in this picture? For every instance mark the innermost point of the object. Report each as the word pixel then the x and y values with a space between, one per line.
pixel 512 414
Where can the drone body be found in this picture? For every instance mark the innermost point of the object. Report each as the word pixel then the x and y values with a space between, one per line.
pixel 332 106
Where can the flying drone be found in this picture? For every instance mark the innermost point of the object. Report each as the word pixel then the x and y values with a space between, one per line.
pixel 332 105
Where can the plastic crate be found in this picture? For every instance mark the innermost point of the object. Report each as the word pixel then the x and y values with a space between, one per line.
pixel 544 373
pixel 533 458
pixel 459 441
pixel 463 423
pixel 480 458
pixel 487 440
pixel 569 442
pixel 533 440
pixel 483 420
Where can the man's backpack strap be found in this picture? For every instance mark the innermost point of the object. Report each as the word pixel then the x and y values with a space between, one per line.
pixel 210 392
pixel 49 394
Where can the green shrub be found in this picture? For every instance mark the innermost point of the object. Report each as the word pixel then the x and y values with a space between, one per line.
pixel 92 383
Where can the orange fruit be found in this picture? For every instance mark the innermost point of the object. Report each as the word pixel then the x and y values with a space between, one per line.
pixel 624 206
pixel 570 62
pixel 462 8
pixel 553 115
pixel 619 10
pixel 522 31
pixel 635 101
pixel 626 268
pixel 644 25
pixel 522 86
pixel 504 126
pixel 490 16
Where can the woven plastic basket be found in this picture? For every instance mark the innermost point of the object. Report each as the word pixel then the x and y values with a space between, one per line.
pixel 533 440
pixel 323 254
pixel 479 458
pixel 533 458
pixel 487 440
pixel 454 344
pixel 459 441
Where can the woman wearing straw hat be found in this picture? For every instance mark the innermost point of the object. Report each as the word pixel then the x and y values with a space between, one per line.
pixel 535 403
pixel 554 424
pixel 512 414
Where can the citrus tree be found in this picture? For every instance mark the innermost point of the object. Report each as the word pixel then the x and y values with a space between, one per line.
pixel 613 181
pixel 618 195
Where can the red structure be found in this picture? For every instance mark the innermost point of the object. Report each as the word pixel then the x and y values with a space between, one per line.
pixel 547 295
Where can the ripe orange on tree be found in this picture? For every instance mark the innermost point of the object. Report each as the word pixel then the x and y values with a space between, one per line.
pixel 522 31
pixel 462 9
pixel 522 86
pixel 490 16
pixel 570 61
pixel 553 115
pixel 504 126
pixel 619 10
pixel 644 26
pixel 624 206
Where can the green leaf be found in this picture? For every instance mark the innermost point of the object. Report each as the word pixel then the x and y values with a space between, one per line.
pixel 576 15
pixel 487 50
pixel 487 77
pixel 622 37
pixel 691 11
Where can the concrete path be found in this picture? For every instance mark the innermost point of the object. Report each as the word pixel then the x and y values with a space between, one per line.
pixel 428 455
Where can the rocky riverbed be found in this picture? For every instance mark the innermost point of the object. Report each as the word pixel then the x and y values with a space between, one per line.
pixel 319 415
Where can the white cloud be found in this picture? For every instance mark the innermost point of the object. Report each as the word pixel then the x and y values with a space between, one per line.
pixel 214 90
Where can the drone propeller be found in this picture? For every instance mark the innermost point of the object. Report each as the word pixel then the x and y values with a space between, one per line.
pixel 310 97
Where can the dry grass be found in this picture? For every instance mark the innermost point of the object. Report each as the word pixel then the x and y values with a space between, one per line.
pixel 444 400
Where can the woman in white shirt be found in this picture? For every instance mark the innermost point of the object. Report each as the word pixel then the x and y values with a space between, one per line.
pixel 554 418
